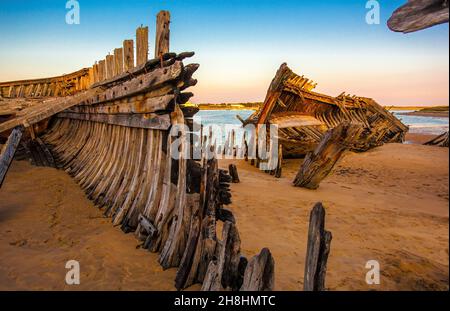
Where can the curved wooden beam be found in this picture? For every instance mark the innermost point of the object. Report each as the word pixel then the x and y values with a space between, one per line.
pixel 419 14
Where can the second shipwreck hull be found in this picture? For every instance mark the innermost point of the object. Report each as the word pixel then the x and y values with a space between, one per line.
pixel 303 116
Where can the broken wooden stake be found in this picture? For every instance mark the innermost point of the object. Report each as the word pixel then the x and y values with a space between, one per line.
pixel 319 163
pixel 259 274
pixel 317 252
pixel 162 33
pixel 233 173
pixel 8 151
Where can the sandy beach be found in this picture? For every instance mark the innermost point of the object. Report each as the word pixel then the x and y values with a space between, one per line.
pixel 389 204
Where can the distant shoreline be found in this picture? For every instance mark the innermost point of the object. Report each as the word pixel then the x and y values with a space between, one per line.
pixel 224 106
pixel 442 114
pixel 437 111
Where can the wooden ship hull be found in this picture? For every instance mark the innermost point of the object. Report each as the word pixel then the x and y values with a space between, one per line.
pixel 303 116
pixel 110 128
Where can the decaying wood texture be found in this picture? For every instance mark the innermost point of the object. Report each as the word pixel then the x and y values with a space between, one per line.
pixel 232 169
pixel 36 113
pixel 441 140
pixel 318 249
pixel 141 45
pixel 109 66
pixel 303 116
pixel 319 163
pixel 419 14
pixel 102 70
pixel 259 274
pixel 8 150
pixel 48 87
pixel 162 33
pixel 128 54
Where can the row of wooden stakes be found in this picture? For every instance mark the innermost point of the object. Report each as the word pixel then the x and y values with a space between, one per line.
pixel 124 59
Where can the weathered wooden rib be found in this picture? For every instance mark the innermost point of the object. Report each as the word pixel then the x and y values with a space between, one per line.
pixel 303 116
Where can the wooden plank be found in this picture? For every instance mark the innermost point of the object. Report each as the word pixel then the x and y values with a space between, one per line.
pixel 147 120
pixel 101 70
pixel 8 151
pixel 109 66
pixel 168 59
pixel 91 77
pixel 141 45
pixel 48 108
pixel 319 163
pixel 118 61
pixel 96 77
pixel 148 105
pixel 128 54
pixel 143 83
pixel 317 252
pixel 162 33
pixel 259 273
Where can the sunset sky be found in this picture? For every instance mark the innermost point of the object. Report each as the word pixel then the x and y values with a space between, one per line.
pixel 239 45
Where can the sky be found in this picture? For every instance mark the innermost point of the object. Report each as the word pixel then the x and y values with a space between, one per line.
pixel 239 45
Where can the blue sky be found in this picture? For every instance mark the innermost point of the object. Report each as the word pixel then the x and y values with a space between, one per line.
pixel 239 45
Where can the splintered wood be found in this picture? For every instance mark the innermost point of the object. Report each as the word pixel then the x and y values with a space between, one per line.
pixel 8 150
pixel 319 163
pixel 303 116
pixel 318 249
pixel 142 45
pixel 162 33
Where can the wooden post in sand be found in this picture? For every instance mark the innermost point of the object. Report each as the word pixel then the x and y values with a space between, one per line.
pixel 8 151
pixel 278 170
pixel 319 163
pixel 318 248
pixel 232 169
pixel 162 33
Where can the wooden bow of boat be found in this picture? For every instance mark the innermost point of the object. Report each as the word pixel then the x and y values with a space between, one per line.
pixel 303 116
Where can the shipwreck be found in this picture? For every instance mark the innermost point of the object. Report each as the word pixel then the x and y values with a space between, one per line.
pixel 303 117
pixel 110 127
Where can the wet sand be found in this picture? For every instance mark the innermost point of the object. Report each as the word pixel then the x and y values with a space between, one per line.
pixel 388 204
pixel 419 139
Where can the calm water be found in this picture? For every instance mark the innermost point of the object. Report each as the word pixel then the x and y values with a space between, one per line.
pixel 423 125
pixel 417 124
